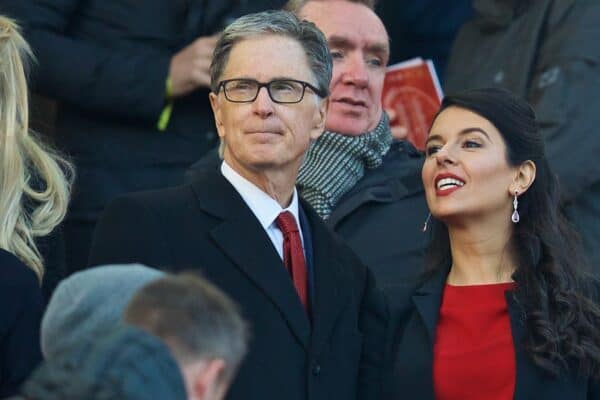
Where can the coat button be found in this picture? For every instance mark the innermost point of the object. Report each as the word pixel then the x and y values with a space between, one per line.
pixel 316 369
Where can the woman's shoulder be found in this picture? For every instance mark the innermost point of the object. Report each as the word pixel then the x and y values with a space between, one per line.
pixel 14 273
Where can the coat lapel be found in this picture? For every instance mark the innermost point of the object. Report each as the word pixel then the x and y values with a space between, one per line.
pixel 331 289
pixel 525 369
pixel 427 300
pixel 418 346
pixel 243 240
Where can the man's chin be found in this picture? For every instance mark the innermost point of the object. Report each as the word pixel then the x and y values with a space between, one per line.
pixel 347 125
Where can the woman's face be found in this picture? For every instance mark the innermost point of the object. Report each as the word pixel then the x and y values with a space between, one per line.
pixel 466 174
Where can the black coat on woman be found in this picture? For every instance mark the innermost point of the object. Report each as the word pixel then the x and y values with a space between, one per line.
pixel 413 352
pixel 22 306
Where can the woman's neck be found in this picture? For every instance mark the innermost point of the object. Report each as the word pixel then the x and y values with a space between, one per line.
pixel 480 255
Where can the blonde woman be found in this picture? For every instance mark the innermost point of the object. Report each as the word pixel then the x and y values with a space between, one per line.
pixel 33 201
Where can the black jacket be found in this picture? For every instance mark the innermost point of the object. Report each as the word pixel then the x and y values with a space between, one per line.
pixel 22 307
pixel 207 226
pixel 380 218
pixel 415 337
pixel 547 52
pixel 106 63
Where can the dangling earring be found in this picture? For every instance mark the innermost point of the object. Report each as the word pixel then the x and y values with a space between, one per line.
pixel 515 215
pixel 425 225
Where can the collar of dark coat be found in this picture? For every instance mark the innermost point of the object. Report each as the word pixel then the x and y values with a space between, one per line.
pixel 241 237
pixel 398 177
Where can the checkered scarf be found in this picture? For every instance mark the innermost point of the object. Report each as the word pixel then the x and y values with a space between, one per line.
pixel 335 163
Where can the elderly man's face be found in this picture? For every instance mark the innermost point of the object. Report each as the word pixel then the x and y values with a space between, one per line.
pixel 263 135
pixel 359 46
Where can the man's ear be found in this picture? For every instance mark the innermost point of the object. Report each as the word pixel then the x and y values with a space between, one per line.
pixel 320 119
pixel 524 177
pixel 208 380
pixel 217 112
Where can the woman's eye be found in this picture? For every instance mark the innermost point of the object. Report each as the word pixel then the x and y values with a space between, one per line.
pixel 430 150
pixel 471 144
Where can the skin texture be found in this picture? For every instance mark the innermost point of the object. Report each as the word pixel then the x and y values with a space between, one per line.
pixel 477 157
pixel 477 214
pixel 359 46
pixel 265 142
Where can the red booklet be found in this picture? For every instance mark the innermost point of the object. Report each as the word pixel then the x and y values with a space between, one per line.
pixel 412 95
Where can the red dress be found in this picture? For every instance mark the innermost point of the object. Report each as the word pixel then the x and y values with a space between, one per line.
pixel 473 356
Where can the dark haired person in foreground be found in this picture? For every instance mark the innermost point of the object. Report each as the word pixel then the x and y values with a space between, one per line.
pixel 507 311
pixel 317 321
pixel 191 342
pixel 201 326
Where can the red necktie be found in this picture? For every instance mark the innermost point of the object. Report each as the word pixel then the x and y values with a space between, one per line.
pixel 293 254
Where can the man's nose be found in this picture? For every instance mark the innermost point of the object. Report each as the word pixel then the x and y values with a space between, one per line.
pixel 356 72
pixel 263 105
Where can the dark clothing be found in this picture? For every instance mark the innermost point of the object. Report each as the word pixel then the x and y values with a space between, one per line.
pixel 106 62
pixel 126 364
pixel 415 335
pixel 547 52
pixel 380 218
pixel 207 226
pixel 423 28
pixel 52 248
pixel 22 307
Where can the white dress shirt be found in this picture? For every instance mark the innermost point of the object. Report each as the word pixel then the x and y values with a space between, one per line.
pixel 265 208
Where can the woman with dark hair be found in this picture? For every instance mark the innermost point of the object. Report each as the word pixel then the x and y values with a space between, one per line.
pixel 507 310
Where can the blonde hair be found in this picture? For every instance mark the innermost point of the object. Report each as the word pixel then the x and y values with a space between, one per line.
pixel 34 180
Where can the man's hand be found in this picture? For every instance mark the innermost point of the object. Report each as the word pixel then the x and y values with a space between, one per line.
pixel 398 132
pixel 190 67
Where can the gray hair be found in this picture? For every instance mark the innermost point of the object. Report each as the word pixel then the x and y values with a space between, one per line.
pixel 281 23
pixel 196 320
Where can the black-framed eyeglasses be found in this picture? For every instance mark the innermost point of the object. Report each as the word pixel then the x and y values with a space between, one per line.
pixel 284 91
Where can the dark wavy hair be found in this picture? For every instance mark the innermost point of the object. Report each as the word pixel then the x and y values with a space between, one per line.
pixel 558 296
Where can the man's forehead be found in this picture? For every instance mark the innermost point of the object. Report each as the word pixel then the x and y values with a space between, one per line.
pixel 347 24
pixel 286 58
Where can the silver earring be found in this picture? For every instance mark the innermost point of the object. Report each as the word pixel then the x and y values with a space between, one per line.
pixel 515 217
pixel 426 224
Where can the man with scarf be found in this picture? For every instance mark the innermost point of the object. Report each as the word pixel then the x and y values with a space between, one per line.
pixel 365 185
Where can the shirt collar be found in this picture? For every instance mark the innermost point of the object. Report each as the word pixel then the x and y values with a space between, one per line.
pixel 265 208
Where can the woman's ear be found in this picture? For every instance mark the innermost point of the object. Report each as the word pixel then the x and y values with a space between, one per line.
pixel 525 175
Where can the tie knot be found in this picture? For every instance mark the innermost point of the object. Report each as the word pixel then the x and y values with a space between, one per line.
pixel 286 223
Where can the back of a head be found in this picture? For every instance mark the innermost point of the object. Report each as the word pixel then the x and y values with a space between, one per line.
pixel 193 317
pixel 89 303
pixel 35 181
pixel 127 364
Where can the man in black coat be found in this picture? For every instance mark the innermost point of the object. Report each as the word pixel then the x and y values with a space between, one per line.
pixel 365 185
pixel 131 79
pixel 319 333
